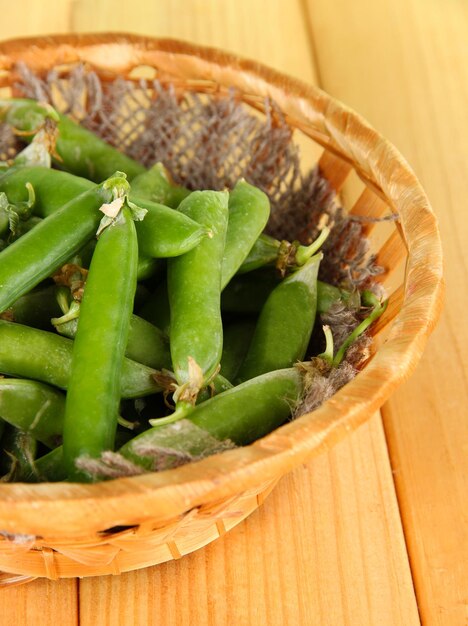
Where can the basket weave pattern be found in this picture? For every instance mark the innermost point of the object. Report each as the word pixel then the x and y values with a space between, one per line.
pixel 63 530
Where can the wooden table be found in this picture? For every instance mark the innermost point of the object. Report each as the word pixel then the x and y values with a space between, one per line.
pixel 371 533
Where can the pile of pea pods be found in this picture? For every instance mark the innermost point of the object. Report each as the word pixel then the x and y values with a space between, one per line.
pixel 136 315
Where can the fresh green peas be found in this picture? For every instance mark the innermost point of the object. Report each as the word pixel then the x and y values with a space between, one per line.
pixel 80 151
pixel 94 390
pixel 285 324
pixel 194 286
pixel 41 251
pixel 247 293
pixel 4 223
pixel 241 414
pixel 52 188
pixel 37 354
pixel 166 233
pixel 156 185
pixel 163 233
pixel 34 408
pixel 249 210
pixel 146 343
pixel 34 308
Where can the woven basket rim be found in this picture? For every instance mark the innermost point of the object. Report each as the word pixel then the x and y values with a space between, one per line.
pixel 36 508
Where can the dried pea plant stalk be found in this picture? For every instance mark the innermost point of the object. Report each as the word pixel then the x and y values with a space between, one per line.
pixel 209 141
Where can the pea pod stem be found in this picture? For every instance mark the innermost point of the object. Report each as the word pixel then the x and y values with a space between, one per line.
pixel 283 254
pixel 327 354
pixel 376 312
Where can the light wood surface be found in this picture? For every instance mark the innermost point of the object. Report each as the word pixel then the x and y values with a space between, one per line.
pixel 328 547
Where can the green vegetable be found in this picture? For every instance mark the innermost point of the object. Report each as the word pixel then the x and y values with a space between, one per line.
pixel 285 324
pixel 241 414
pixel 94 390
pixel 34 408
pixel 27 352
pixel 194 286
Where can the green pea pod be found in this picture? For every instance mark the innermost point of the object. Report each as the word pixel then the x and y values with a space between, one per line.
pixel 241 414
pixel 34 308
pixel 285 324
pixel 51 466
pixel 52 188
pixel 166 233
pixel 236 340
pixel 157 185
pixel 149 267
pixel 34 408
pixel 163 233
pixel 81 151
pixel 27 352
pixel 249 210
pixel 194 281
pixel 41 251
pixel 146 343
pixel 247 293
pixel 92 404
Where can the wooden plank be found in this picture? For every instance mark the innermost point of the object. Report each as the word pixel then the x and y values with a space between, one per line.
pixel 326 548
pixel 41 602
pixel 267 30
pixel 29 18
pixel 406 71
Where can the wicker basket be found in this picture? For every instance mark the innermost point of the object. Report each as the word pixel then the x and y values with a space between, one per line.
pixel 66 530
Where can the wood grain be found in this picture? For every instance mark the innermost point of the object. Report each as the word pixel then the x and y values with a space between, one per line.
pixel 270 31
pixel 414 56
pixel 40 603
pixel 29 17
pixel 325 548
